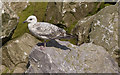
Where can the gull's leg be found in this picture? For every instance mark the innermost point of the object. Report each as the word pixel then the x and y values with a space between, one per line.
pixel 43 47
pixel 44 43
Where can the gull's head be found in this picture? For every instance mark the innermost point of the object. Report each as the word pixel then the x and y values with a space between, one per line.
pixel 31 19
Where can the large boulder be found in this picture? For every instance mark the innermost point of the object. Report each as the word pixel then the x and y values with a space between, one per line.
pixel 101 29
pixel 64 57
pixel 18 7
pixel 104 30
pixel 10 18
pixel 9 22
pixel 15 52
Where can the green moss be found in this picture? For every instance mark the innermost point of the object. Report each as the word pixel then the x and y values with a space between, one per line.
pixel 52 20
pixel 69 29
pixel 40 9
pixel 62 22
pixel 72 64
pixel 102 5
pixel 67 60
pixel 36 8
pixel 107 4
pixel 73 41
pixel 69 45
pixel 6 70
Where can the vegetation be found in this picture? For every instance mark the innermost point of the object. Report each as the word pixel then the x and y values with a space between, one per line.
pixel 100 6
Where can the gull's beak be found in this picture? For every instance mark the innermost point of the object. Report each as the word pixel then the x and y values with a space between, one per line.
pixel 25 21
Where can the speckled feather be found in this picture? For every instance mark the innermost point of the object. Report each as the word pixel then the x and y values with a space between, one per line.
pixel 47 31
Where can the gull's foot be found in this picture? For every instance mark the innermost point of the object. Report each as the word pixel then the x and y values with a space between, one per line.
pixel 42 48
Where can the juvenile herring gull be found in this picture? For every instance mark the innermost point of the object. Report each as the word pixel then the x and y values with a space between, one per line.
pixel 44 30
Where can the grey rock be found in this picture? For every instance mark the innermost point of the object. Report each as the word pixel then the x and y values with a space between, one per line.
pixel 101 29
pixel 76 11
pixel 18 70
pixel 82 29
pixel 3 69
pixel 53 12
pixel 15 52
pixel 18 7
pixel 58 58
pixel 10 18
pixel 9 22
pixel 104 30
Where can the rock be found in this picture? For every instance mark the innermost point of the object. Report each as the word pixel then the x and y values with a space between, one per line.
pixel 82 29
pixel 68 13
pixel 76 11
pixel 58 58
pixel 10 18
pixel 118 34
pixel 15 52
pixel 101 29
pixel 18 70
pixel 104 30
pixel 18 7
pixel 9 22
pixel 4 69
pixel 53 12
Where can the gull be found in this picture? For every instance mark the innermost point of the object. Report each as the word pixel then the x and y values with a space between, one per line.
pixel 44 30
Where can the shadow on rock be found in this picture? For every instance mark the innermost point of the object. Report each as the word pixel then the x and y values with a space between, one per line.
pixel 54 43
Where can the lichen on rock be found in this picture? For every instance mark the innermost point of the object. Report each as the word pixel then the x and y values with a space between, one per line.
pixel 101 29
pixel 15 52
pixel 88 58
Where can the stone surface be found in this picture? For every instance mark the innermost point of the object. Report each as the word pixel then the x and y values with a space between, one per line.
pixel 104 31
pixel 82 29
pixel 9 22
pixel 58 58
pixel 10 18
pixel 76 11
pixel 101 29
pixel 18 70
pixel 69 13
pixel 119 33
pixel 18 7
pixel 15 52
pixel 2 69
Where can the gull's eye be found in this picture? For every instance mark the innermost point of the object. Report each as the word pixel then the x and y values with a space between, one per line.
pixel 30 19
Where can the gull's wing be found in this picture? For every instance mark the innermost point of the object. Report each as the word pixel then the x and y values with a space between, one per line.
pixel 49 30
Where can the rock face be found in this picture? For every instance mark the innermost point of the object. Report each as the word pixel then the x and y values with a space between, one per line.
pixel 10 18
pixel 18 7
pixel 15 52
pixel 104 31
pixel 82 29
pixel 9 22
pixel 68 13
pixel 101 29
pixel 58 58
pixel 76 11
